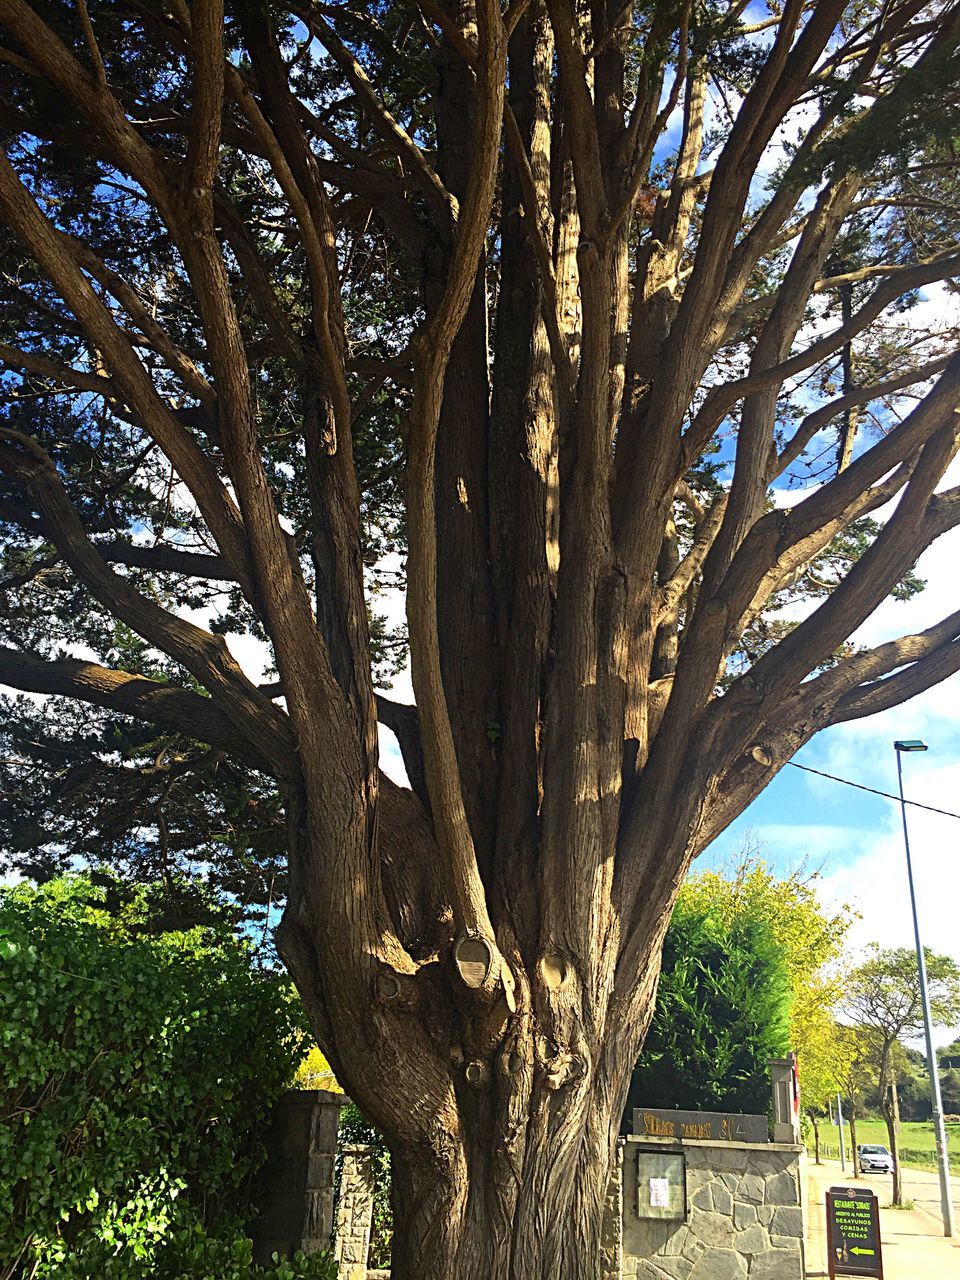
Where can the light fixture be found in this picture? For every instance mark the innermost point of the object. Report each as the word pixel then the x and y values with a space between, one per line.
pixel 910 744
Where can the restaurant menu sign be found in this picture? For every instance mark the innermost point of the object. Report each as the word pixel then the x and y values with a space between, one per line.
pixel 853 1233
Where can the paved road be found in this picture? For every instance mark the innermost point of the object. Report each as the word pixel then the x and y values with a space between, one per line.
pixel 922 1187
pixel 914 1247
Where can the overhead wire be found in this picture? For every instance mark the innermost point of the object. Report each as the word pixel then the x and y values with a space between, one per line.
pixel 861 786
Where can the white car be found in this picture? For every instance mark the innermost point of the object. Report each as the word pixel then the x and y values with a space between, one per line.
pixel 874 1159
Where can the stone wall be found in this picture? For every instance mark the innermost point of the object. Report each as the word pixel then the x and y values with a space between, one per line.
pixel 744 1220
pixel 611 1241
pixel 354 1212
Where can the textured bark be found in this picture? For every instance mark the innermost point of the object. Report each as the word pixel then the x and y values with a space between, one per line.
pixel 891 1116
pixel 479 953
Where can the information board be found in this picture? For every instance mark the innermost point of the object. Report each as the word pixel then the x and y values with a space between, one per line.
pixel 853 1232
pixel 662 1185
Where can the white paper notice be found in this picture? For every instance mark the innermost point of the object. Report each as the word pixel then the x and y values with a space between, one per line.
pixel 659 1193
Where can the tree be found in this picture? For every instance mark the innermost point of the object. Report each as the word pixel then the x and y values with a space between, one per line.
pixel 545 301
pixel 883 998
pixel 856 1071
pixel 808 936
pixel 722 1012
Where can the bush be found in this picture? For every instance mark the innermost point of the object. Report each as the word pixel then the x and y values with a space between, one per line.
pixel 138 1074
pixel 928 1159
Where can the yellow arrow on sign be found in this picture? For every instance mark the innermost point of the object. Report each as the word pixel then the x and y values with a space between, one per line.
pixel 867 1251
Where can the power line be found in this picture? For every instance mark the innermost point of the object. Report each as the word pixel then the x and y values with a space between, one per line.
pixel 873 790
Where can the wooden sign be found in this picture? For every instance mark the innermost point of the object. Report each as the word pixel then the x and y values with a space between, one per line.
pixel 707 1126
pixel 853 1233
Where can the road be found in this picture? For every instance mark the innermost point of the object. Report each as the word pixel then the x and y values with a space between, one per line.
pixel 914 1246
pixel 922 1187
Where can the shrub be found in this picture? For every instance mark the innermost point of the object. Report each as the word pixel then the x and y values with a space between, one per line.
pixel 138 1073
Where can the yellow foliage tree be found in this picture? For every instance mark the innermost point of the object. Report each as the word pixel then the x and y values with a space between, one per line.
pixel 315 1072
pixel 810 935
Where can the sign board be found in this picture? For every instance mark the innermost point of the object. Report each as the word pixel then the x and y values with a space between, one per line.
pixel 853 1233
pixel 708 1126
pixel 662 1185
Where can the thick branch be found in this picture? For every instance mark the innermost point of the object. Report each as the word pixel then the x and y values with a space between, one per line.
pixel 432 350
pixel 205 656
pixel 193 466
pixel 165 705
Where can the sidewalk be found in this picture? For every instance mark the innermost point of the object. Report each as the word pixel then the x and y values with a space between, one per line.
pixel 913 1243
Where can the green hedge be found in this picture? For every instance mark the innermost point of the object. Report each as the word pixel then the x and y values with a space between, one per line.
pixel 723 1010
pixel 138 1073
pixel 916 1156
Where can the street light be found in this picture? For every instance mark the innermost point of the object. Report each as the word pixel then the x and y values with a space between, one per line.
pixel 946 1203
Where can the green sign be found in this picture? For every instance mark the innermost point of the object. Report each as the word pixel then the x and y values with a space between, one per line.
pixel 853 1232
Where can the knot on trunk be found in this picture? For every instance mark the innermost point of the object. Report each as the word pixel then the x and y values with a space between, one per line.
pixel 483 970
pixel 562 1067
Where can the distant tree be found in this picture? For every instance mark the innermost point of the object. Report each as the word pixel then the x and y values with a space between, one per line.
pixel 950 1088
pixel 723 1010
pixel 884 998
pixel 856 1071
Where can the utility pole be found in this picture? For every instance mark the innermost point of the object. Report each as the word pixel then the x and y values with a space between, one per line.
pixel 943 1160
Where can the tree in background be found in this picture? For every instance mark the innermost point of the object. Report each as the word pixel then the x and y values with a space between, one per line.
pixel 723 1010
pixel 544 299
pixel 883 998
pixel 949 1059
pixel 856 1072
pixel 809 937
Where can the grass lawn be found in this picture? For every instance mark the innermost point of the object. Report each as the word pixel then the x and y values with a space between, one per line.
pixel 917 1145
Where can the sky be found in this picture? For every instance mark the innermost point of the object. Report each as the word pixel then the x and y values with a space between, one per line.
pixel 855 839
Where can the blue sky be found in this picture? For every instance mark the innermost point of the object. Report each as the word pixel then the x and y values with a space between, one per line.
pixel 854 838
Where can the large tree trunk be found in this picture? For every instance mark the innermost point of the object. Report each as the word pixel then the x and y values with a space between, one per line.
pixel 465 1216
pixel 502 1123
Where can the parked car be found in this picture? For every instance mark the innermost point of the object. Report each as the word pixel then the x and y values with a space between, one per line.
pixel 874 1159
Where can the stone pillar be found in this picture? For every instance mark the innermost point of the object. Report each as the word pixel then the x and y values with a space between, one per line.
pixel 786 1099
pixel 611 1240
pixel 354 1212
pixel 294 1189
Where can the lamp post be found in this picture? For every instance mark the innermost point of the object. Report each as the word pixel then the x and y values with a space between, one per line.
pixel 946 1203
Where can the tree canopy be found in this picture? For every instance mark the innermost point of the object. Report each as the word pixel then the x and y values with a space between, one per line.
pixel 616 332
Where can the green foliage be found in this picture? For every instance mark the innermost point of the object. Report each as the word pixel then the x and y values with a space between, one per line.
pixel 138 1074
pixel 192 1254
pixel 809 939
pixel 884 992
pixel 723 1009
pixel 82 787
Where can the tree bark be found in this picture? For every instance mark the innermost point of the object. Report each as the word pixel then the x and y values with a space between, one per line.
pixel 891 1114
pixel 852 1117
pixel 451 1215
